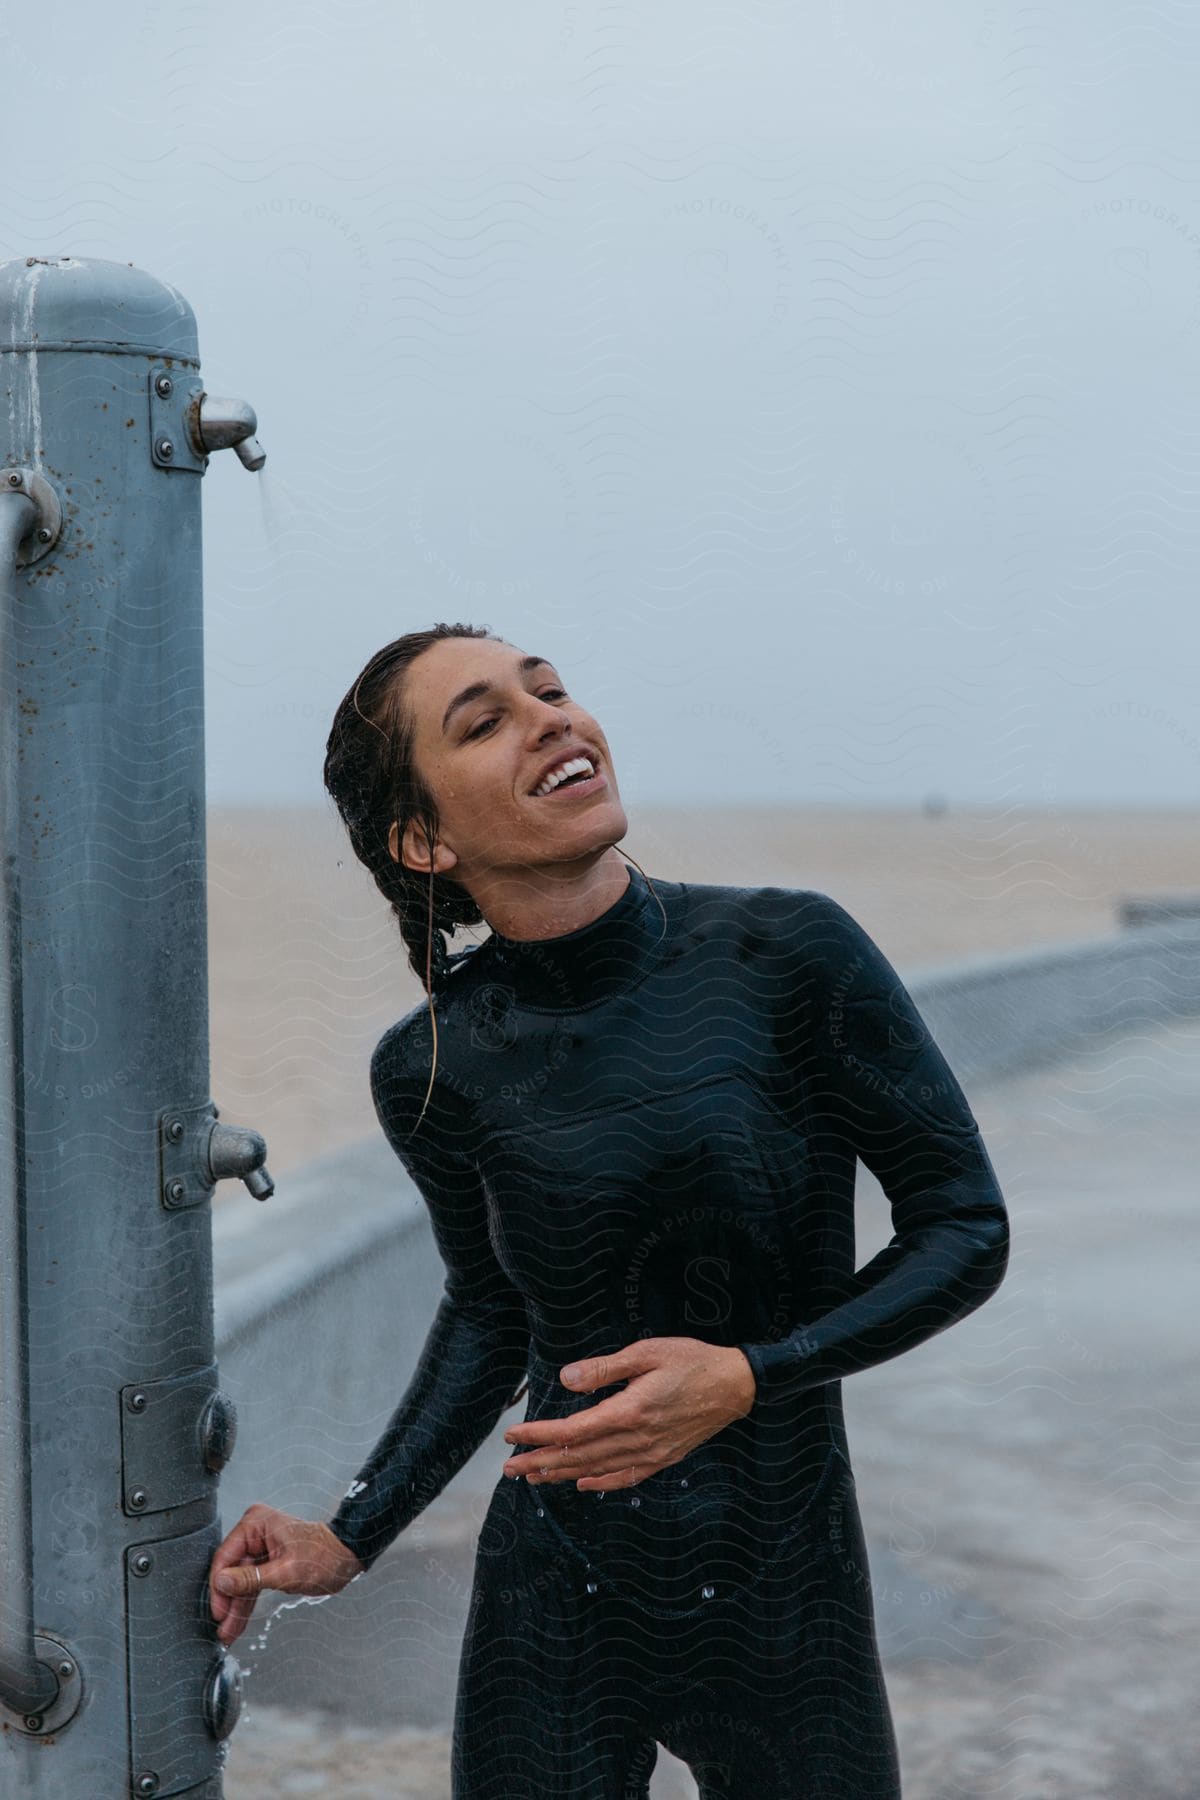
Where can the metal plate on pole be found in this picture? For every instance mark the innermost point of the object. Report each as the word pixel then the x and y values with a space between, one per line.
pixel 171 1671
pixel 162 1453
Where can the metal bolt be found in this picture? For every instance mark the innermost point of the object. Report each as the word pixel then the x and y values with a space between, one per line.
pixel 138 1498
pixel 66 1668
pixel 44 534
pixel 33 1721
pixel 165 448
pixel 142 1563
pixel 175 1130
pixel 148 1783
pixel 136 1402
pixel 175 1190
pixel 14 479
pixel 164 387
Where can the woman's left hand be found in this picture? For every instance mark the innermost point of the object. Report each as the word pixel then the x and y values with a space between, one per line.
pixel 680 1391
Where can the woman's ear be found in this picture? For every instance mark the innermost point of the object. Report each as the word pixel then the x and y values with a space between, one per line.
pixel 417 845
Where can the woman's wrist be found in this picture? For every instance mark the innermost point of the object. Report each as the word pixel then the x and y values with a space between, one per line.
pixel 351 1555
pixel 745 1382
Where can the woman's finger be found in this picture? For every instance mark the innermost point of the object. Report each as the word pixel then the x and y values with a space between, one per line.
pixel 237 1620
pixel 570 1459
pixel 584 1427
pixel 230 1551
pixel 573 1463
pixel 246 1543
pixel 245 1578
pixel 240 1585
pixel 235 1548
pixel 622 1478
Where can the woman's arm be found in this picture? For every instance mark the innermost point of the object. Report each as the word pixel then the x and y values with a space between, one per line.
pixel 878 1085
pixel 475 1354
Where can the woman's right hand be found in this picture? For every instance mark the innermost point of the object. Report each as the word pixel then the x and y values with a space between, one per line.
pixel 291 1555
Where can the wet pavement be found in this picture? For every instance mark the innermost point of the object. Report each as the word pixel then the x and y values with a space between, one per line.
pixel 1029 1481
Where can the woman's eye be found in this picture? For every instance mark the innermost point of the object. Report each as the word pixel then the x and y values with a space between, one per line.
pixel 550 694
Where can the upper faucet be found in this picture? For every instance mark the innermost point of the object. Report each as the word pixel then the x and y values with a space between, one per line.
pixel 227 425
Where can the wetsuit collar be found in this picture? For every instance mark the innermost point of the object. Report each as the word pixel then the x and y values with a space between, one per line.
pixel 588 964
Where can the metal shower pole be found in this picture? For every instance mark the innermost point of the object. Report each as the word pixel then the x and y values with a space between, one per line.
pixel 113 1429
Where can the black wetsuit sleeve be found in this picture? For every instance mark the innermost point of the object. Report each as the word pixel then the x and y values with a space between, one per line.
pixel 876 1085
pixel 475 1355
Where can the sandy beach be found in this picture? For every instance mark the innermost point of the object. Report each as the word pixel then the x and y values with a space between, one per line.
pixel 307 969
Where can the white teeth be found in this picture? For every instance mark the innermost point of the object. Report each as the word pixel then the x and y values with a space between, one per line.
pixel 576 766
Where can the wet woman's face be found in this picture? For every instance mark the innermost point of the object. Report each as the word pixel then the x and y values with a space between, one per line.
pixel 485 729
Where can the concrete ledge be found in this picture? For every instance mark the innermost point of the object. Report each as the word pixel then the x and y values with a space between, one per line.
pixel 991 1015
pixel 1154 908
pixel 323 1295
pixel 334 1213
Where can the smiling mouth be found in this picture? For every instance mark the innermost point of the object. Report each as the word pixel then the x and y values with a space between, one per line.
pixel 581 782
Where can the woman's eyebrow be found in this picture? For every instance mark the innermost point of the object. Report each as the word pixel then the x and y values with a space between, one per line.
pixel 478 689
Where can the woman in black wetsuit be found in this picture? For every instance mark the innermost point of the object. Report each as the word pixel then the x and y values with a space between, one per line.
pixel 634 1112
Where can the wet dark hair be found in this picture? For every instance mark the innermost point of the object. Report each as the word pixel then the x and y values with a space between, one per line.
pixel 373 780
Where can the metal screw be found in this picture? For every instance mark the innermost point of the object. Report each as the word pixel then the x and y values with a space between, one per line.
pixel 137 1402
pixel 44 534
pixel 165 448
pixel 175 1130
pixel 164 387
pixel 66 1668
pixel 138 1498
pixel 33 1721
pixel 175 1190
pixel 147 1784
pixel 14 479
pixel 142 1563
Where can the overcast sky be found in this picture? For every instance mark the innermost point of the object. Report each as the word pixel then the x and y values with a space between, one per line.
pixel 815 385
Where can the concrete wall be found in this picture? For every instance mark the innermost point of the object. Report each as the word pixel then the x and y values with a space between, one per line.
pixel 998 1013
pixel 323 1295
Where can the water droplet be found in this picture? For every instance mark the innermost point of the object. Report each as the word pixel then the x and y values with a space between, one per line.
pixel 592 1587
pixel 683 1481
pixel 708 1590
pixel 541 1512
pixel 636 1500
